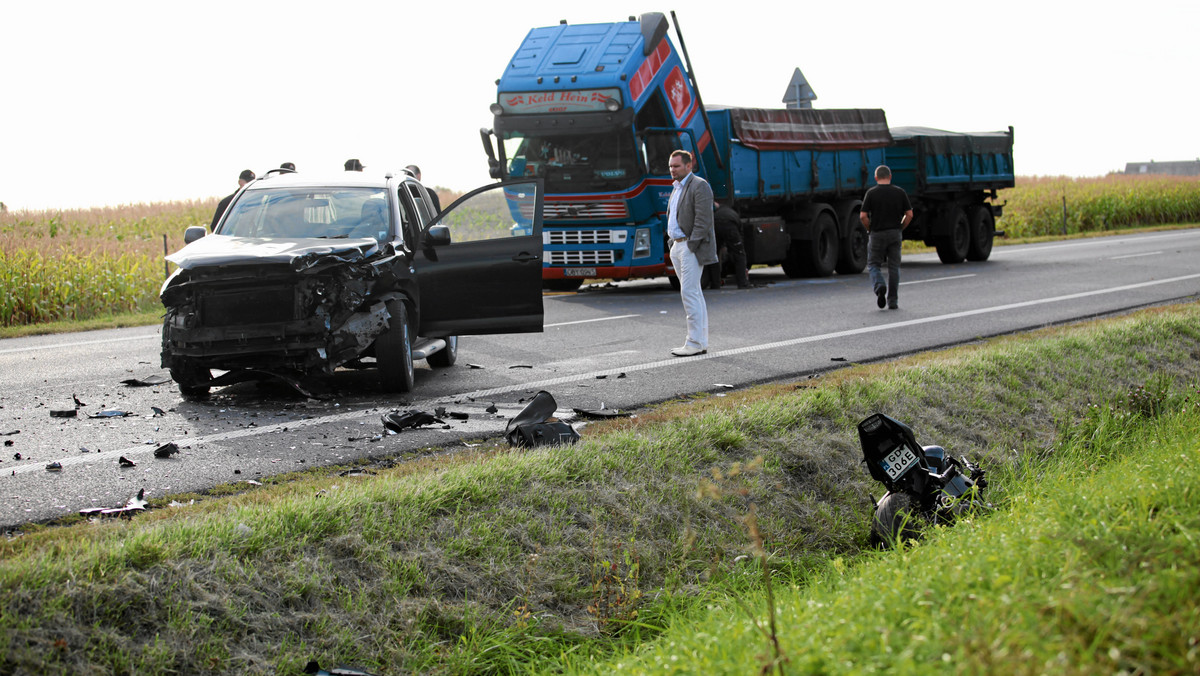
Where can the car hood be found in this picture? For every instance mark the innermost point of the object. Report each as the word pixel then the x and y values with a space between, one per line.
pixel 299 253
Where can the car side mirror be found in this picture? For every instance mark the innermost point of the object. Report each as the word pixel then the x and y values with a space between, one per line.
pixel 438 235
pixel 194 233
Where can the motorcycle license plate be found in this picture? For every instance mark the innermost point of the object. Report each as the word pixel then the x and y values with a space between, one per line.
pixel 898 462
pixel 579 272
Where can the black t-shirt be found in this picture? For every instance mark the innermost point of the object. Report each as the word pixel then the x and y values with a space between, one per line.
pixel 885 205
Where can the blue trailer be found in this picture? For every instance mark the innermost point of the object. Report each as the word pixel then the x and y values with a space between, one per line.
pixel 596 110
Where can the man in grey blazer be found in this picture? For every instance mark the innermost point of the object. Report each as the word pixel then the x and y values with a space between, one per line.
pixel 693 245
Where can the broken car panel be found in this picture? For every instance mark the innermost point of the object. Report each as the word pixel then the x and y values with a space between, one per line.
pixel 303 275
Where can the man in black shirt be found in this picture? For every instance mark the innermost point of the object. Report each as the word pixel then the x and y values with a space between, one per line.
pixel 245 177
pixel 885 213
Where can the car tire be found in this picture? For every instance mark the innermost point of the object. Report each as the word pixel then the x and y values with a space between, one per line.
pixel 192 379
pixel 393 350
pixel 445 356
pixel 896 519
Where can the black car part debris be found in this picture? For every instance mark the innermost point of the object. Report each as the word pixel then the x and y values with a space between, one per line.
pixel 126 462
pixel 536 426
pixel 397 421
pixel 63 412
pixel 600 413
pixel 133 506
pixel 54 467
pixel 148 381
pixel 925 485
pixel 166 450
pixel 111 413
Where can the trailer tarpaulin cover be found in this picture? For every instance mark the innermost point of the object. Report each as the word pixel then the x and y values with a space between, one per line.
pixel 810 129
pixel 941 142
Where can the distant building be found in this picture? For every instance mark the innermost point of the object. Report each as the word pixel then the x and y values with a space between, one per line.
pixel 1186 168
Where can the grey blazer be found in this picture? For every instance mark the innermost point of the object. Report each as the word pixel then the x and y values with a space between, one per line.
pixel 695 215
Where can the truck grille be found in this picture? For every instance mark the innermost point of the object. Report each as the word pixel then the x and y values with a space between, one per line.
pixel 584 236
pixel 581 257
pixel 565 210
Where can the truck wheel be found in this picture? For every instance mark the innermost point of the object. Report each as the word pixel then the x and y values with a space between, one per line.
pixel 393 350
pixel 820 254
pixel 983 229
pixel 896 519
pixel 852 255
pixel 674 282
pixel 445 356
pixel 952 248
pixel 562 284
pixel 192 378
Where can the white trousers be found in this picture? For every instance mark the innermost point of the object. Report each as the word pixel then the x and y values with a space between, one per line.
pixel 689 270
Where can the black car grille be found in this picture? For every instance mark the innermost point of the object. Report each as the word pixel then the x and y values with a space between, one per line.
pixel 257 306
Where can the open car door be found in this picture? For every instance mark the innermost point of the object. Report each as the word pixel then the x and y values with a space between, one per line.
pixel 479 263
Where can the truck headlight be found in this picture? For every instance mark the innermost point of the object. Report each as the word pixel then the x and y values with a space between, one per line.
pixel 641 243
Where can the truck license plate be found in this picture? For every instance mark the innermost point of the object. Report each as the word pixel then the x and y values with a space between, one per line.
pixel 579 272
pixel 898 462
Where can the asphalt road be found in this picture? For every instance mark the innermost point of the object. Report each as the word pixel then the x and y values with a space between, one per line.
pixel 606 346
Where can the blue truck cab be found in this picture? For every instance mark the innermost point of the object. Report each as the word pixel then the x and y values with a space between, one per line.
pixel 597 109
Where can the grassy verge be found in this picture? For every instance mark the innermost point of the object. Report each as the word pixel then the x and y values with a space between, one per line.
pixel 504 561
pixel 1091 566
pixel 111 321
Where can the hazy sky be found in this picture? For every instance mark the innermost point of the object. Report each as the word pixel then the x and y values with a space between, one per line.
pixel 121 102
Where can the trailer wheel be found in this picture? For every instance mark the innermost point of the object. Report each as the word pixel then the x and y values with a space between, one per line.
pixel 952 248
pixel 816 257
pixel 562 284
pixel 852 255
pixel 983 229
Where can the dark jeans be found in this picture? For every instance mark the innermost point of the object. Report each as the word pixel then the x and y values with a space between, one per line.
pixel 884 248
pixel 730 237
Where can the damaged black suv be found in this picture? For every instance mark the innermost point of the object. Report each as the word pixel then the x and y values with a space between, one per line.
pixel 303 275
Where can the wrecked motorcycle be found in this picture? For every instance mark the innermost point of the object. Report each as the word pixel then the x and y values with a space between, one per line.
pixel 925 485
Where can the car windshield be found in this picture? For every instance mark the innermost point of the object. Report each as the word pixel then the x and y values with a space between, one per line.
pixel 574 162
pixel 307 212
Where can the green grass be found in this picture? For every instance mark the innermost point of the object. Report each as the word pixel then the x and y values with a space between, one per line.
pixel 494 560
pixel 1090 566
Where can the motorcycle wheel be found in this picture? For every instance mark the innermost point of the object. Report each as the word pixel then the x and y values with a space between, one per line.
pixel 897 518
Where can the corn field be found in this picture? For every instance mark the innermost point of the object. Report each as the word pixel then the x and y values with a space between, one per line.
pixel 73 265
pixel 1035 206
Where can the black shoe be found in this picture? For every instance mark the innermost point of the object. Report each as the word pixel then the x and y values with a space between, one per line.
pixel 881 297
pixel 893 306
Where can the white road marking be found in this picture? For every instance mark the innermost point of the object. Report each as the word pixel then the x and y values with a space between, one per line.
pixel 1024 249
pixel 938 279
pixel 673 362
pixel 1149 253
pixel 586 321
pixel 59 346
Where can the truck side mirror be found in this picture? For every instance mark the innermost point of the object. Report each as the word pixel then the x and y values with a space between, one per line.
pixel 495 170
pixel 194 233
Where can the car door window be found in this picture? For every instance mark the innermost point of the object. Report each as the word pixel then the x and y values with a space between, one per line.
pixel 418 199
pixel 409 227
pixel 493 213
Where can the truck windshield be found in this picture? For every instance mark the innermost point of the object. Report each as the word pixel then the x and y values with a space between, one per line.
pixel 579 162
